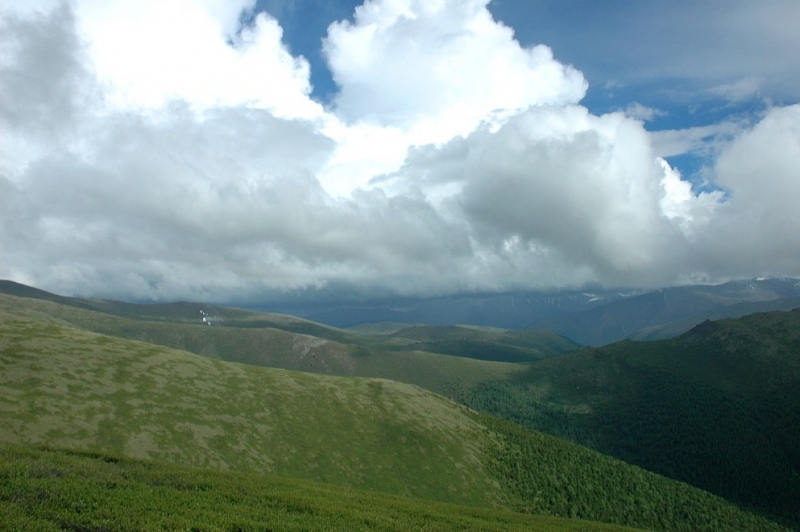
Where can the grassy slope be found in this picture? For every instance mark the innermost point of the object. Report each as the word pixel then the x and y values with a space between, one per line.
pixel 253 342
pixel 74 389
pixel 502 346
pixel 718 407
pixel 523 345
pixel 665 428
pixel 70 388
pixel 51 490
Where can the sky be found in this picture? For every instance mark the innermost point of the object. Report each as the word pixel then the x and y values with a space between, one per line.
pixel 241 151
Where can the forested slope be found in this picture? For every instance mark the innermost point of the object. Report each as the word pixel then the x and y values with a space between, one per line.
pixel 718 407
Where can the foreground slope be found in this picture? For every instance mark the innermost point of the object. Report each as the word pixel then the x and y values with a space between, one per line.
pixel 52 490
pixel 718 407
pixel 70 388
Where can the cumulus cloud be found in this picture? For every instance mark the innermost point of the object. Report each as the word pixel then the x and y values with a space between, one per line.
pixel 570 189
pixel 44 83
pixel 756 227
pixel 151 52
pixel 194 163
pixel 439 68
pixel 413 72
pixel 46 96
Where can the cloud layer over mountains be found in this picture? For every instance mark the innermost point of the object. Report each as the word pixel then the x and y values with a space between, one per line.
pixel 158 149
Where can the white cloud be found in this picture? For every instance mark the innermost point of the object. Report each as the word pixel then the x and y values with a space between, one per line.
pixel 151 52
pixel 700 140
pixel 439 68
pixel 578 189
pixel 739 90
pixel 414 72
pixel 642 112
pixel 453 159
pixel 756 228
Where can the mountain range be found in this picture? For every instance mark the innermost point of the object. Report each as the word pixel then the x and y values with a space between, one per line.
pixel 598 433
pixel 589 317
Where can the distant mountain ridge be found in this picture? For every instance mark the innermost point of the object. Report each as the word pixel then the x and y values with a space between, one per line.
pixel 588 318
pixel 668 312
pixel 507 311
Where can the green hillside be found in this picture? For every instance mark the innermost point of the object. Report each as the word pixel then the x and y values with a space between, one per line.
pixel 485 344
pixel 46 490
pixel 522 344
pixel 72 389
pixel 272 341
pixel 718 407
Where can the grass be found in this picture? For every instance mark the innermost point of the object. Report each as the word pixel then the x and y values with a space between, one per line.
pixel 484 343
pixel 49 490
pixel 75 389
pixel 272 346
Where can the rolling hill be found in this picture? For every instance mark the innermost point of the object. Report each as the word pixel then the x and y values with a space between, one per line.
pixel 506 311
pixel 274 340
pixel 241 340
pixel 66 387
pixel 485 344
pixel 70 388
